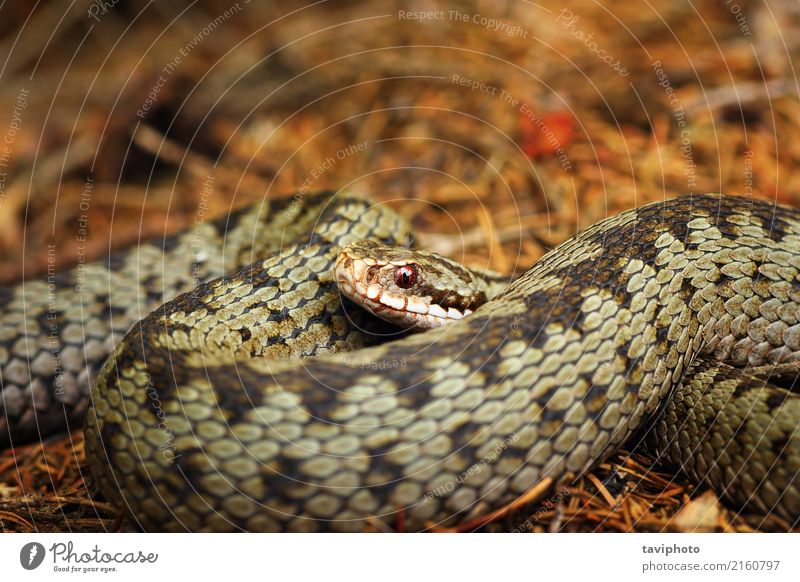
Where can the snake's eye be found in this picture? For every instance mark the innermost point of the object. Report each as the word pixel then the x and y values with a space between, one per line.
pixel 405 276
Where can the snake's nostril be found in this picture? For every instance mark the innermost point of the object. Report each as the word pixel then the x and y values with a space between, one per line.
pixel 372 274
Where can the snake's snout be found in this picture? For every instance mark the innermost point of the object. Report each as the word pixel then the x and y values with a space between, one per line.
pixel 343 273
pixel 343 267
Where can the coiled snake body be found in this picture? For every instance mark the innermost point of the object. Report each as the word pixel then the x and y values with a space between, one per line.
pixel 204 418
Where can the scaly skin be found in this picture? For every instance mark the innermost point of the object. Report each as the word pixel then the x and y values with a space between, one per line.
pixel 56 332
pixel 195 424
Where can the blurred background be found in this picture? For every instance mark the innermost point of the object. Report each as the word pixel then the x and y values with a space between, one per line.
pixel 503 127
pixel 500 128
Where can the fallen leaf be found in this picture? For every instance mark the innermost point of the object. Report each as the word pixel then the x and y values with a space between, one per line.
pixel 699 515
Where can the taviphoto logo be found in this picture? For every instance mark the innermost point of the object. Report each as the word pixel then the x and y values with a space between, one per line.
pixel 31 555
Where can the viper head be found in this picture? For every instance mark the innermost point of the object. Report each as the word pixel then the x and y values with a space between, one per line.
pixel 412 289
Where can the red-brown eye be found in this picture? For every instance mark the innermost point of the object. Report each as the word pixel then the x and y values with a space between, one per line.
pixel 405 276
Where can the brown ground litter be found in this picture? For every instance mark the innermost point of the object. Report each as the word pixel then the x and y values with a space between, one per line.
pixel 499 129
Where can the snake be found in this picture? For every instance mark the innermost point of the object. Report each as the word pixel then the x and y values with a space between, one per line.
pixel 299 366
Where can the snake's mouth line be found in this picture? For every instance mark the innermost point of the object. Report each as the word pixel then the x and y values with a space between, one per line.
pixel 394 308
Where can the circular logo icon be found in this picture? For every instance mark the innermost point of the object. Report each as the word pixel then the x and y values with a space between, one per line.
pixel 31 555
